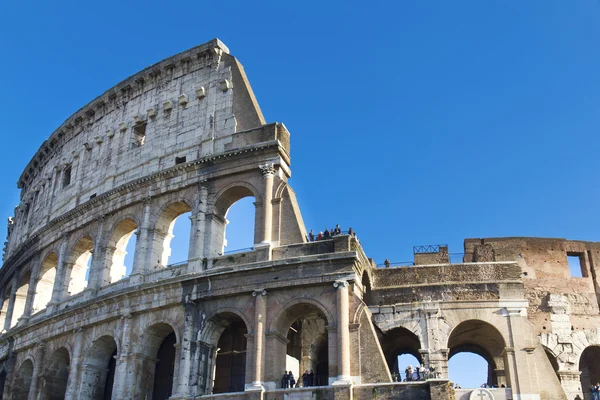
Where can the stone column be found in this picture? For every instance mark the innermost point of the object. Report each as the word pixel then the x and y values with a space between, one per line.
pixel 40 352
pixel 75 365
pixel 260 316
pixel 33 279
pixel 121 388
pixel 11 302
pixel 184 354
pixel 198 232
pixel 268 171
pixel 343 333
pixel 57 290
pixel 97 266
pixel 143 248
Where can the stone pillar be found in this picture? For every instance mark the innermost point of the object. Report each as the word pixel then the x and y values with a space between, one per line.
pixel 198 232
pixel 205 361
pixel 143 248
pixel 121 387
pixel 11 302
pixel 75 365
pixel 343 333
pixel 57 290
pixel 40 352
pixel 268 171
pixel 98 264
pixel 184 354
pixel 260 317
pixel 33 279
pixel 571 383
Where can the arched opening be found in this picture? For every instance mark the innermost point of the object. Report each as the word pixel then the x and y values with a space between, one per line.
pixel 4 309
pixel 99 370
pixel 56 376
pixel 230 365
pixel 171 238
pixel 158 369
pixel 397 344
pixel 23 381
pixel 469 370
pixel 407 370
pixel 589 365
pixel 45 282
pixel 20 298
pixel 80 270
pixel 366 284
pixel 306 353
pixel 121 242
pixel 481 339
pixel 236 204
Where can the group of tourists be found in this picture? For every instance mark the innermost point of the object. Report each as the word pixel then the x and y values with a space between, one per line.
pixel 327 234
pixel 595 391
pixel 417 373
pixel 289 382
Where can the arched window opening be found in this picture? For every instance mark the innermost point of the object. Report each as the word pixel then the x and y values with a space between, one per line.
pixel 476 341
pixel 306 353
pixel 171 238
pixel 99 369
pixel 366 284
pixel 20 298
pixel 590 369
pixel 239 226
pixel 159 362
pixel 4 309
pixel 23 381
pixel 81 259
pixel 56 376
pixel 470 370
pixel 45 283
pixel 237 205
pixel 400 344
pixel 230 366
pixel 120 245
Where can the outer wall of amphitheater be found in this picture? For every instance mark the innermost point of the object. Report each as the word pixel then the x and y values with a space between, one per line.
pixel 186 137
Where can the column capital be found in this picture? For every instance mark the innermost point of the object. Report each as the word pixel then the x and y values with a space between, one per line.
pixel 268 170
pixel 147 200
pixel 259 292
pixel 340 284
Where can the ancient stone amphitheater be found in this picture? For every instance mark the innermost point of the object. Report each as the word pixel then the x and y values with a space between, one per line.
pixel 187 135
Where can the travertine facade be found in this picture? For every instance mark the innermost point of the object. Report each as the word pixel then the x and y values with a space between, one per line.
pixel 186 135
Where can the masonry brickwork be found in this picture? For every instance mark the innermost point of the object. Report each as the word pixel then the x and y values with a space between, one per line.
pixel 186 136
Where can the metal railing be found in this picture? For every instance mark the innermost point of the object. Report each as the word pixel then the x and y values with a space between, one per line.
pixel 428 248
pixel 238 250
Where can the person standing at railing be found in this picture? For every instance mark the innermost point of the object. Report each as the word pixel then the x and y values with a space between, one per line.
pixel 337 230
pixel 351 232
pixel 326 234
pixel 386 263
pixel 320 236
pixel 311 236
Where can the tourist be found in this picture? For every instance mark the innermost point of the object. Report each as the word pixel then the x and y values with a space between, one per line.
pixel 320 236
pixel 311 378
pixel 592 392
pixel 386 263
pixel 408 372
pixel 351 232
pixel 291 379
pixel 305 378
pixel 423 372
pixel 417 370
pixel 337 230
pixel 311 236
pixel 326 234
pixel 285 380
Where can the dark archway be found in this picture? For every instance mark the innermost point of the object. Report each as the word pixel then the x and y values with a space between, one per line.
pixel 230 371
pixel 397 342
pixel 483 339
pixel 366 284
pixel 22 381
pixel 56 376
pixel 99 370
pixel 589 365
pixel 2 383
pixel 164 372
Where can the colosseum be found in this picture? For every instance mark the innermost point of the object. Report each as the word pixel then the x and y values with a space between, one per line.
pixel 186 135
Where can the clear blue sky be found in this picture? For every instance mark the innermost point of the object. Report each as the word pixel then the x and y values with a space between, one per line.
pixel 413 122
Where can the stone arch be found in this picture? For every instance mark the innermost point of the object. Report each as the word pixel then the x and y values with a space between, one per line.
pixel 484 339
pixel 304 324
pixel 56 375
pixel 398 341
pixel 205 334
pixel 45 281
pixel 589 368
pixel 163 232
pixel 158 355
pixel 99 369
pixel 223 338
pixel 22 380
pixel 116 249
pixel 80 260
pixel 221 203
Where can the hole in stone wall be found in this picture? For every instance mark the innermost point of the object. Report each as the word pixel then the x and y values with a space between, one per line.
pixel 180 160
pixel 576 263
pixel 66 177
pixel 139 134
